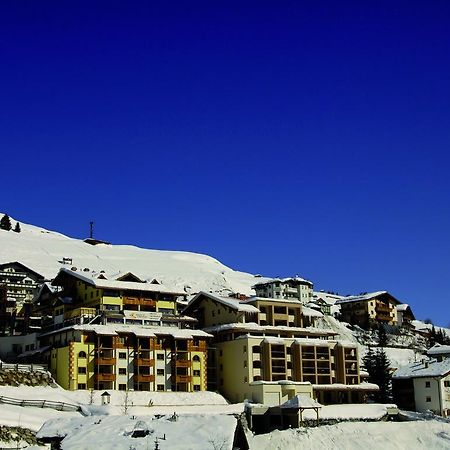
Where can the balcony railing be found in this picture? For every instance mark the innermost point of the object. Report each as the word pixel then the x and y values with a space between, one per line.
pixel 144 362
pixel 144 378
pixel 105 377
pixel 138 301
pixel 103 361
pixel 183 379
pixel 182 363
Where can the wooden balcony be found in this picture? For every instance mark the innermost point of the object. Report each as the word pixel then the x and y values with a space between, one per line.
pixel 383 308
pixel 138 301
pixel 105 377
pixel 183 378
pixel 143 378
pixel 105 361
pixel 144 362
pixel 182 363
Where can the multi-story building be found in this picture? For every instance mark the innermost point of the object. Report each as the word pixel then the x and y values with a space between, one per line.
pixel 120 332
pixel 288 288
pixel 127 357
pixel 18 285
pixel 369 309
pixel 268 350
pixel 126 299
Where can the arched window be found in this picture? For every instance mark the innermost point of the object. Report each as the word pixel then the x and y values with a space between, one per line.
pixel 196 358
pixel 82 355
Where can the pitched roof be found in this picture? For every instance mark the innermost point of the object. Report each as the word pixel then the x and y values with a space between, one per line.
pixel 430 368
pixel 119 285
pixel 368 296
pixel 439 349
pixel 232 303
pixel 26 268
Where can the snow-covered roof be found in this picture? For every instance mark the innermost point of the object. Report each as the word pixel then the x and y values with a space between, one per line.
pixel 364 297
pixel 189 431
pixel 402 307
pixel 439 349
pixel 346 387
pixel 232 303
pixel 252 326
pixel 331 299
pixel 301 401
pixel 429 368
pixel 121 285
pixel 284 280
pixel 137 330
pixel 310 312
pixel 254 299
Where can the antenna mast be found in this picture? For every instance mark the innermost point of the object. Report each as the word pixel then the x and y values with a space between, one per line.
pixel 91 234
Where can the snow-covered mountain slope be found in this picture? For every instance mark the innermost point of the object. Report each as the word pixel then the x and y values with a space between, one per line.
pixel 43 251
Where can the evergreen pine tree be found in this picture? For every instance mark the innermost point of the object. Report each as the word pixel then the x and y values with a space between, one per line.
pixel 5 223
pixel 17 228
pixel 382 336
pixel 382 376
pixel 378 365
pixel 369 361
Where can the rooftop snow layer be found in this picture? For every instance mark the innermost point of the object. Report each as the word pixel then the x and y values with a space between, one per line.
pixel 429 368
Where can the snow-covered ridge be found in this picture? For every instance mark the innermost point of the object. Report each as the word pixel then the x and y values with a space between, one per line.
pixel 43 251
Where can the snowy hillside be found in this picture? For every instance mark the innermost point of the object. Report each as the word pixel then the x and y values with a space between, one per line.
pixel 43 251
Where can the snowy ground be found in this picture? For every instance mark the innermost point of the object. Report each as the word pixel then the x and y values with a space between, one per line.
pixel 359 435
pixel 42 251
pixel 206 421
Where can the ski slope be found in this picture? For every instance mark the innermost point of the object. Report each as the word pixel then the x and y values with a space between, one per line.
pixel 43 251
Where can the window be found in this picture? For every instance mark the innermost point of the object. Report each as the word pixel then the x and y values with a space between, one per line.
pixel 160 356
pixel 427 384
pixel 196 387
pixel 122 387
pixel 82 370
pixel 196 373
pixel 122 371
pixel 447 383
pixel 244 349
pixel 122 355
pixel 160 372
pixel 160 387
pixel 245 363
pixel 82 355
pixel 81 385
pixel 196 358
pixel 428 399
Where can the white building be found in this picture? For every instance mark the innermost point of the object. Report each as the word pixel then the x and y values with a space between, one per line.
pixel 288 288
pixel 425 385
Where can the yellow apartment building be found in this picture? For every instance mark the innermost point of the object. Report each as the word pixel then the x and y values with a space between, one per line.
pixel 266 349
pixel 127 357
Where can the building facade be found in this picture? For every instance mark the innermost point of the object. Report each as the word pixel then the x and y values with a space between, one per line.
pixel 261 344
pixel 369 309
pixel 127 357
pixel 287 288
pixel 18 286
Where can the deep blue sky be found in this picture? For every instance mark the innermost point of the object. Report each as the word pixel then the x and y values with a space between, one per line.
pixel 281 137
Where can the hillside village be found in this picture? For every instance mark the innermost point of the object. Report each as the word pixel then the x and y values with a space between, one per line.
pixel 122 323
